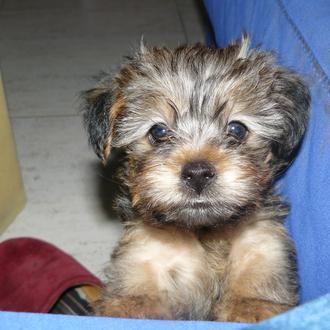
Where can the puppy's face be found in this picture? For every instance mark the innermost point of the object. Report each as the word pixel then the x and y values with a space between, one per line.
pixel 206 130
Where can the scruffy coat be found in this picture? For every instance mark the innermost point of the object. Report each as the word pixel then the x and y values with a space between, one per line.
pixel 216 253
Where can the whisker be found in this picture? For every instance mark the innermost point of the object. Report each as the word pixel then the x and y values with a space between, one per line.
pixel 108 179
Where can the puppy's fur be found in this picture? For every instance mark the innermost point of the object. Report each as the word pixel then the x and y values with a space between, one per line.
pixel 214 250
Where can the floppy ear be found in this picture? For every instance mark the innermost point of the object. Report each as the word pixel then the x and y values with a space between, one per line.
pixel 293 98
pixel 101 108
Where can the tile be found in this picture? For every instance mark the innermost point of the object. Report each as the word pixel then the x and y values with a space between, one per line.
pixel 194 19
pixel 138 18
pixel 79 4
pixel 69 194
pixel 48 80
pixel 51 4
pixel 48 57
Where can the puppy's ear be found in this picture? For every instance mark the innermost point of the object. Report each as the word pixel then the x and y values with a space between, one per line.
pixel 101 109
pixel 293 99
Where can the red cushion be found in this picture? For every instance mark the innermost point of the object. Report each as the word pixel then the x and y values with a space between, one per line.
pixel 34 274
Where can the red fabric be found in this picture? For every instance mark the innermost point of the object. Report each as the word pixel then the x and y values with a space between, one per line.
pixel 33 275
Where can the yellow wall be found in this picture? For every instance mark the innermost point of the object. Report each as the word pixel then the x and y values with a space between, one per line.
pixel 12 196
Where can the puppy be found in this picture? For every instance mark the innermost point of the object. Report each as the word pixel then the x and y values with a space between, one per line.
pixel 205 133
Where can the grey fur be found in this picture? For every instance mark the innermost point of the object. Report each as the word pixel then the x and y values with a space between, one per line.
pixel 197 91
pixel 271 101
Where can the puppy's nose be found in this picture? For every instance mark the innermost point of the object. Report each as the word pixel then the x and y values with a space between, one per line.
pixel 198 175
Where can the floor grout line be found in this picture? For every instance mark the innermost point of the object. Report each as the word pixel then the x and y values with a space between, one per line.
pixel 59 9
pixel 43 116
pixel 181 21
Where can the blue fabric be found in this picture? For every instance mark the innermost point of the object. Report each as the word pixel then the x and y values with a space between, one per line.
pixel 315 315
pixel 32 321
pixel 299 32
pixel 312 316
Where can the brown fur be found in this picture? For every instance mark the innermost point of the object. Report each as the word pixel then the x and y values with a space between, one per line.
pixel 221 253
pixel 247 310
pixel 142 306
pixel 232 270
pixel 116 110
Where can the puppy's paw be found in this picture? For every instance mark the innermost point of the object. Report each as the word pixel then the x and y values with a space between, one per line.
pixel 140 307
pixel 248 310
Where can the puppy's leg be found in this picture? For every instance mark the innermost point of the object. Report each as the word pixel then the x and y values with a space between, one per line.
pixel 132 290
pixel 142 307
pixel 261 280
pixel 158 274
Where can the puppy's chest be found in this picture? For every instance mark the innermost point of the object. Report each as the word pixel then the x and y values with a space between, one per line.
pixel 217 246
pixel 183 261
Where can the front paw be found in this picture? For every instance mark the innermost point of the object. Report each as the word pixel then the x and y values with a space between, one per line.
pixel 248 310
pixel 140 307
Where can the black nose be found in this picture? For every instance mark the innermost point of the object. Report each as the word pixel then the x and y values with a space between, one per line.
pixel 198 175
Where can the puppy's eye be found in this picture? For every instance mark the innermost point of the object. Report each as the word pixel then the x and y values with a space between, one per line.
pixel 158 133
pixel 237 130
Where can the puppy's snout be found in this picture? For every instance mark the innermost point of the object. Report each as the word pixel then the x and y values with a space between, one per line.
pixel 198 175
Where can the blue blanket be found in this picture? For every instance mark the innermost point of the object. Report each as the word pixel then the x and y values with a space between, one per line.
pixel 315 315
pixel 299 32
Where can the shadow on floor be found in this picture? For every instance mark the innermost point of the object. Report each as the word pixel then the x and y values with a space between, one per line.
pixel 108 183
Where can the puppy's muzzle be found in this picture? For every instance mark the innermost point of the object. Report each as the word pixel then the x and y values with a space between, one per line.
pixel 198 175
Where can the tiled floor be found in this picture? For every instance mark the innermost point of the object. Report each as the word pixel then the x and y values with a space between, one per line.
pixel 49 49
